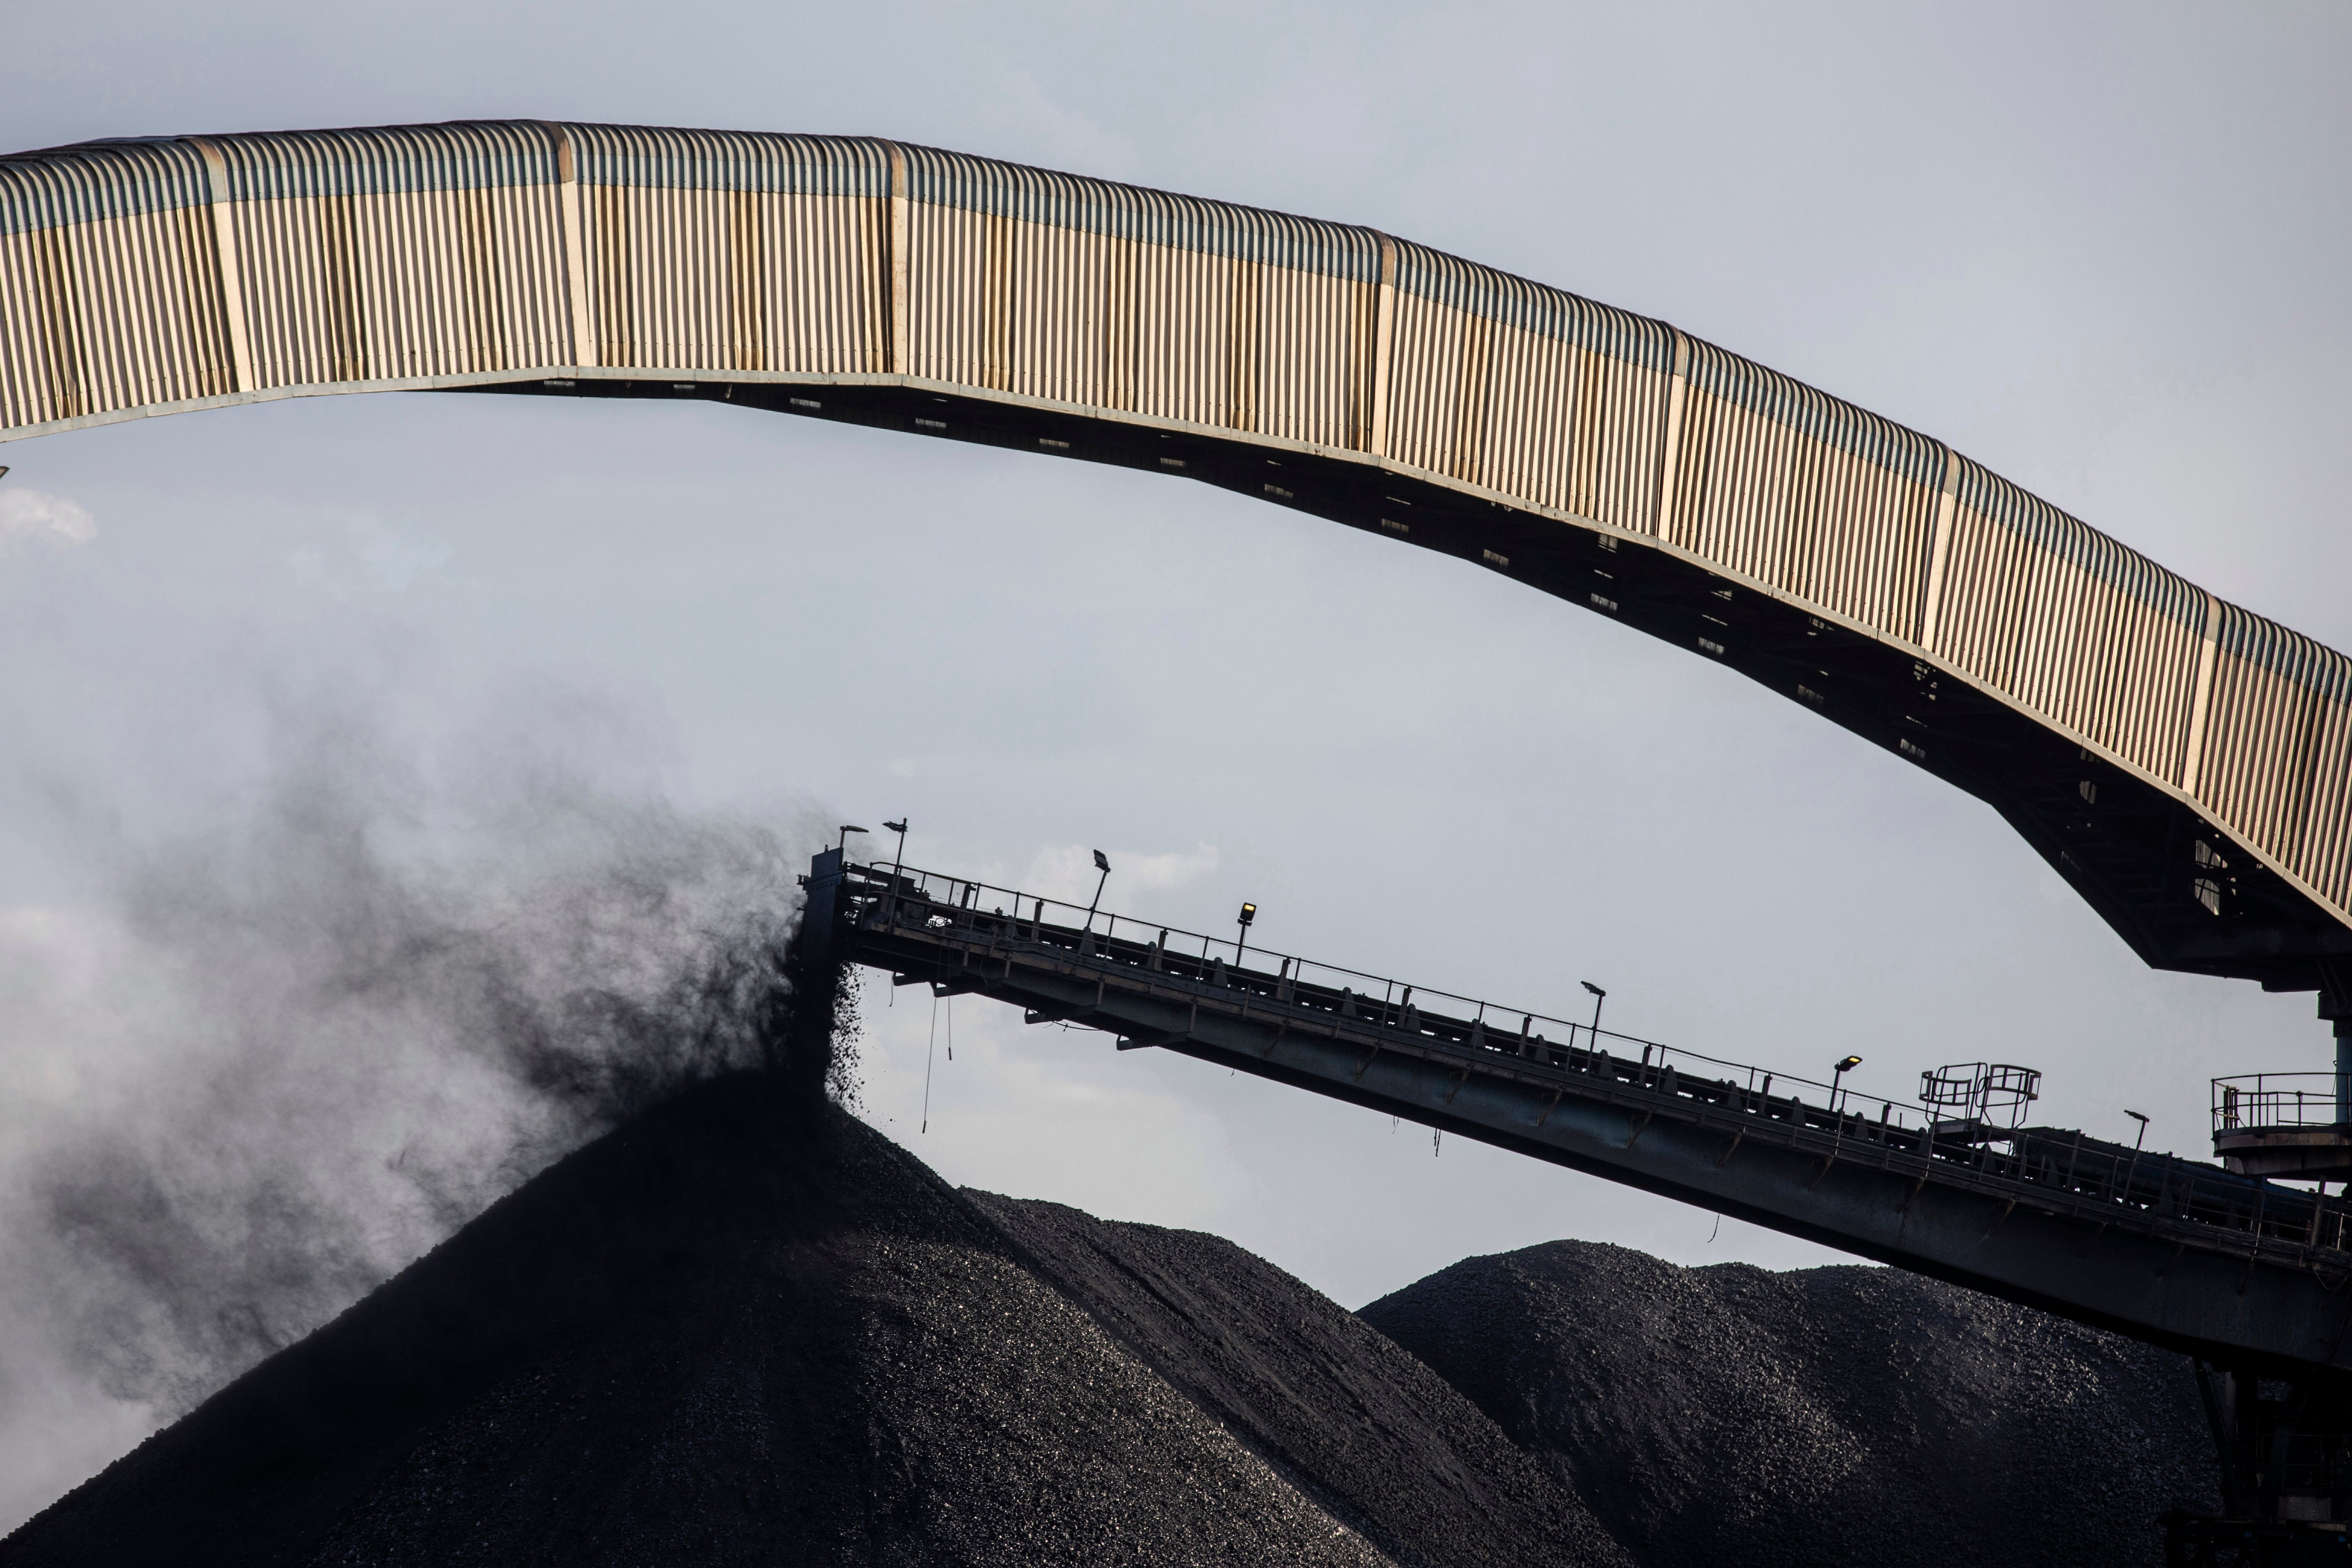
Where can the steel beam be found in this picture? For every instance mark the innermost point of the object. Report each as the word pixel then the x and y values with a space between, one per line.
pixel 2228 1293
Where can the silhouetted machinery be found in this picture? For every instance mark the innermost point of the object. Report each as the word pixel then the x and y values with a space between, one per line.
pixel 2220 1262
pixel 2284 1126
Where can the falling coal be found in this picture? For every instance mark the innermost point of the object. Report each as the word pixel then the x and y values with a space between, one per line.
pixel 257 1069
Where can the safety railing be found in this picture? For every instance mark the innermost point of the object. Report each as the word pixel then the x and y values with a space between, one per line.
pixel 2277 1100
pixel 1994 1094
pixel 2067 1168
pixel 1350 993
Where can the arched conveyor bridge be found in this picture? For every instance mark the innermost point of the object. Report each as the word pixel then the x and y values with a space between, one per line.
pixel 2184 764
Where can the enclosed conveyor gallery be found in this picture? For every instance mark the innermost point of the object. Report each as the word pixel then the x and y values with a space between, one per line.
pixel 2181 762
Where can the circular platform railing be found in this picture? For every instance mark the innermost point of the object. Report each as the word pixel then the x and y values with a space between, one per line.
pixel 2290 1126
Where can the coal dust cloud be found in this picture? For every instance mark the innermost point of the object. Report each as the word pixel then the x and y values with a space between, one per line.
pixel 258 1067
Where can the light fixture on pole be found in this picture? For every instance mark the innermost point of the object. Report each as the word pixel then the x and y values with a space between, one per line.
pixel 899 828
pixel 1102 864
pixel 847 830
pixel 2134 1169
pixel 1838 1070
pixel 1248 915
pixel 1598 996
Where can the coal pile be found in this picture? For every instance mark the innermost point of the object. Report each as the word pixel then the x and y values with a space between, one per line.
pixel 741 1330
pixel 1841 1415
pixel 1327 1400
pixel 745 1327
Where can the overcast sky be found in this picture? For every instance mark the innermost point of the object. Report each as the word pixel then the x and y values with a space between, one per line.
pixel 2100 249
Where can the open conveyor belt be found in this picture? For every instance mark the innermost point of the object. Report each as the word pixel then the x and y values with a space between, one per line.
pixel 2174 1251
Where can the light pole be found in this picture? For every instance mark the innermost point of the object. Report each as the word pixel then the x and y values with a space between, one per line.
pixel 847 830
pixel 1248 915
pixel 1598 996
pixel 1837 1079
pixel 1102 864
pixel 899 828
pixel 2134 1171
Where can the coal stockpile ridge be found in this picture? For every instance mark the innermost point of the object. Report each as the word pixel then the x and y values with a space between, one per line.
pixel 740 1330
pixel 1318 1391
pixel 1828 1416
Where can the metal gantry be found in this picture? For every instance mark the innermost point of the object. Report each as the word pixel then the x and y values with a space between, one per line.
pixel 2179 1252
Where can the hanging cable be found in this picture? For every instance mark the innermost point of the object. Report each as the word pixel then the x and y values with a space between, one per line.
pixel 930 1052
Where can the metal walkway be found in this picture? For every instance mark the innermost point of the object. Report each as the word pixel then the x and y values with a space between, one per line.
pixel 2235 1271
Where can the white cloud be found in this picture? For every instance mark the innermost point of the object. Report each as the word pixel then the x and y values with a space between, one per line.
pixel 1066 871
pixel 35 517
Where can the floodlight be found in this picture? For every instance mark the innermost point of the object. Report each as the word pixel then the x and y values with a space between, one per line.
pixel 1249 913
pixel 1102 864
pixel 1838 1070
pixel 1598 996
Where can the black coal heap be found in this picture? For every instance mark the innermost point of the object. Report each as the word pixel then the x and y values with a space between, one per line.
pixel 740 1330
pixel 745 1327
pixel 1830 1417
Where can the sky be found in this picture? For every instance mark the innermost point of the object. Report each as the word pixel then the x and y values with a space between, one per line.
pixel 479 654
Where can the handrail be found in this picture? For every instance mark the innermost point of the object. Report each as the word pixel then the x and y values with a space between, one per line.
pixel 963 892
pixel 2060 1170
pixel 2254 1101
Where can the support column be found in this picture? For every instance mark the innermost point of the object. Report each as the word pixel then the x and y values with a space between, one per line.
pixel 1376 422
pixel 584 355
pixel 902 313
pixel 2343 1070
pixel 232 266
pixel 2335 1005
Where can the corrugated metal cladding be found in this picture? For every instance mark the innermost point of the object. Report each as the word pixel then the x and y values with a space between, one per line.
pixel 1821 500
pixel 709 250
pixel 2278 756
pixel 2099 640
pixel 109 290
pixel 1078 291
pixel 142 276
pixel 1515 387
pixel 397 255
